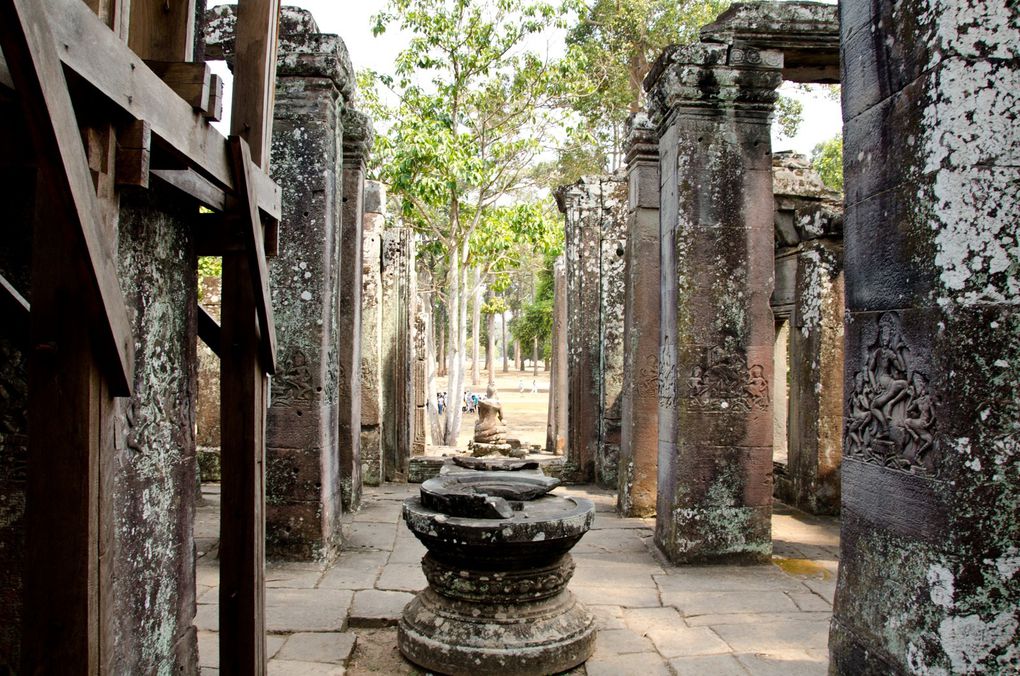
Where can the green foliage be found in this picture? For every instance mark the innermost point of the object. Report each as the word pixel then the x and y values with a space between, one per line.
pixel 210 266
pixel 827 159
pixel 789 115
pixel 609 52
pixel 536 318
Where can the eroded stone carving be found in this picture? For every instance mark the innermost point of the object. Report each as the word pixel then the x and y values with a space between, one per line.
pixel 891 412
pixel 724 381
pixel 293 384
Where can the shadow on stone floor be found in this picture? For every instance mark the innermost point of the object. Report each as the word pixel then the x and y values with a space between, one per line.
pixel 653 618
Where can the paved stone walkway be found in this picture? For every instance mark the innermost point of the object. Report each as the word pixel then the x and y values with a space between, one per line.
pixel 653 618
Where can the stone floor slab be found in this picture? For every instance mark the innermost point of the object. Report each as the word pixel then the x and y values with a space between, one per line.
pixel 294 668
pixel 809 601
pixel 687 641
pixel 626 597
pixel 727 578
pixel 292 577
pixel 756 618
pixel 295 610
pixel 408 550
pixel 708 665
pixel 643 620
pixel 621 642
pixel 716 603
pixel 406 577
pixel 326 647
pixel 367 536
pixel 785 663
pixel 608 617
pixel 774 636
pixel 354 570
pixel 643 664
pixel 376 608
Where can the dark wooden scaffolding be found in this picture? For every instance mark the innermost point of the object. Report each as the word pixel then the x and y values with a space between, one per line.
pixel 113 97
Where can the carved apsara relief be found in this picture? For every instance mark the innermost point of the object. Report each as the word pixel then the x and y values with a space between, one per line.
pixel 891 418
pixel 724 381
pixel 292 385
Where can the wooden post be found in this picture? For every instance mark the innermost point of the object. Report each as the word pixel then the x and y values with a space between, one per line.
pixel 243 381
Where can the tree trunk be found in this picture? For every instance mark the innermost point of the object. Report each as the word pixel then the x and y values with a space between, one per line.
pixel 491 349
pixel 534 357
pixel 455 342
pixel 518 362
pixel 506 348
pixel 476 329
pixel 435 420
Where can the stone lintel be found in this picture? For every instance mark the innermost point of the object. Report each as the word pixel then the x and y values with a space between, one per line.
pixel 706 79
pixel 302 50
pixel 806 32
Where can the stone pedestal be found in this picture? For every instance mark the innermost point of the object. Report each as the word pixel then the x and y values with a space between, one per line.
pixel 497 601
pixel 357 144
pixel 928 578
pixel 303 493
pixel 639 446
pixel 374 220
pixel 716 335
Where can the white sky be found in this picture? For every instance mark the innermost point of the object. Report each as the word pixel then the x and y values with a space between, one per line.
pixel 352 21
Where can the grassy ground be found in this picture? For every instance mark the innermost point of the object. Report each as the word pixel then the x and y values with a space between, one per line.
pixel 525 413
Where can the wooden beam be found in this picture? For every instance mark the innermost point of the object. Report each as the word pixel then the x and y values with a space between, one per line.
pixel 251 113
pixel 205 192
pixel 163 29
pixel 209 330
pixel 192 81
pixel 94 53
pixel 32 58
pixel 215 110
pixel 15 309
pixel 251 232
pixel 134 143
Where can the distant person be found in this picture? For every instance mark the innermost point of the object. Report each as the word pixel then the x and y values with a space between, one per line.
pixel 534 386
pixel 520 384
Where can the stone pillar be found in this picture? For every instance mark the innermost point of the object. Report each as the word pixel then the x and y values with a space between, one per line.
pixel 556 437
pixel 420 379
pixel 373 222
pixel 639 434
pixel 808 305
pixel 207 404
pixel 397 350
pixel 594 270
pixel 303 493
pixel 611 301
pixel 929 577
pixel 357 143
pixel 713 104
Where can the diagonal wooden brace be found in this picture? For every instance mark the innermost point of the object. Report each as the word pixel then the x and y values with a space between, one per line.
pixel 38 76
pixel 254 238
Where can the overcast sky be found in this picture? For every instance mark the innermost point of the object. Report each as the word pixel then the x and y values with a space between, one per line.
pixel 351 19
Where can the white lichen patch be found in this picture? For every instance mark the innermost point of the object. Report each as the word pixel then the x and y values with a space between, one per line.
pixel 941 590
pixel 974 28
pixel 969 640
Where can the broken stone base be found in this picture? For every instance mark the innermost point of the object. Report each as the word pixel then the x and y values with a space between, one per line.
pixel 480 450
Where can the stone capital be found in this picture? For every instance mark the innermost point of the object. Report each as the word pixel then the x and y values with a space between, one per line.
pixel 358 135
pixel 375 197
pixel 642 144
pixel 302 50
pixel 704 79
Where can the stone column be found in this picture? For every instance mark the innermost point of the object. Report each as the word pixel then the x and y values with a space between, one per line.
pixel 303 493
pixel 397 350
pixel 611 301
pixel 421 356
pixel 374 221
pixel 556 441
pixel 929 578
pixel 808 296
pixel 713 104
pixel 357 143
pixel 639 434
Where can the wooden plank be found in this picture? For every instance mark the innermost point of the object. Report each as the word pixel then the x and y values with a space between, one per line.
pixel 242 521
pixel 192 81
pixel 134 144
pixel 194 184
pixel 251 232
pixel 14 309
pixel 163 29
pixel 32 58
pixel 60 624
pixel 215 111
pixel 251 113
pixel 209 330
pixel 98 56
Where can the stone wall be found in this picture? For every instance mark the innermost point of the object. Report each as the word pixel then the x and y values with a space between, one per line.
pixel 208 396
pixel 372 471
pixel 595 244
pixel 809 298
pixel 929 578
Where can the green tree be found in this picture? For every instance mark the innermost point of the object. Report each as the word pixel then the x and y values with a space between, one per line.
pixel 471 107
pixel 827 159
